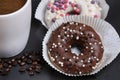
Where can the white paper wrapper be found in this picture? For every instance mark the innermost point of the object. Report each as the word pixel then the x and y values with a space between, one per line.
pixel 40 11
pixel 108 34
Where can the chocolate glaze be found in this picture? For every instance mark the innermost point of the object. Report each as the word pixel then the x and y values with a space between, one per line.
pixel 85 38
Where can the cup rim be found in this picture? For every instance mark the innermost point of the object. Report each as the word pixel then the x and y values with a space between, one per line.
pixel 19 10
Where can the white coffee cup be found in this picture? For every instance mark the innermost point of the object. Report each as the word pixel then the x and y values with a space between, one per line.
pixel 14 31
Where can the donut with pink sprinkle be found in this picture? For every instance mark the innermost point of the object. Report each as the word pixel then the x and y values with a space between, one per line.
pixel 60 8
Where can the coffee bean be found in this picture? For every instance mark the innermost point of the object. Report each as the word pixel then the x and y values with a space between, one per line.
pixel 22 63
pixel 5 60
pixel 23 57
pixel 14 63
pixel 26 54
pixel 10 66
pixel 5 71
pixel 35 63
pixel 38 69
pixel 29 61
pixel 1 65
pixel 13 60
pixel 33 67
pixel 33 58
pixel 9 62
pixel 19 61
pixel 38 60
pixel 29 68
pixel 5 65
pixel 24 60
pixel 22 69
pixel 31 73
pixel 38 66
pixel 30 56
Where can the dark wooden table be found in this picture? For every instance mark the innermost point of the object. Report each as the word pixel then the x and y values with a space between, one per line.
pixel 111 72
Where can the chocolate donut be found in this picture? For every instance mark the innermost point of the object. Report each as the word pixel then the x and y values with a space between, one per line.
pixel 81 36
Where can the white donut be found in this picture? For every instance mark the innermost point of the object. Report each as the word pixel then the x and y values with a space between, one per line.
pixel 59 8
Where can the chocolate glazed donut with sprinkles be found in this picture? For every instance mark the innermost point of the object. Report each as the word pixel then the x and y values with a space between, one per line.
pixel 85 39
pixel 59 8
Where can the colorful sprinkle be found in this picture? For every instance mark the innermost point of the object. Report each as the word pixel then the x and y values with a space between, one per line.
pixel 54 19
pixel 77 10
pixel 92 2
pixel 95 16
pixel 61 15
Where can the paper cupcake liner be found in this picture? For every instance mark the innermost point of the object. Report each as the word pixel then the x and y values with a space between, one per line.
pixel 40 11
pixel 108 34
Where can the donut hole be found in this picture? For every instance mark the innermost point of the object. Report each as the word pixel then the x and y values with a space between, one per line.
pixel 74 10
pixel 76 49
